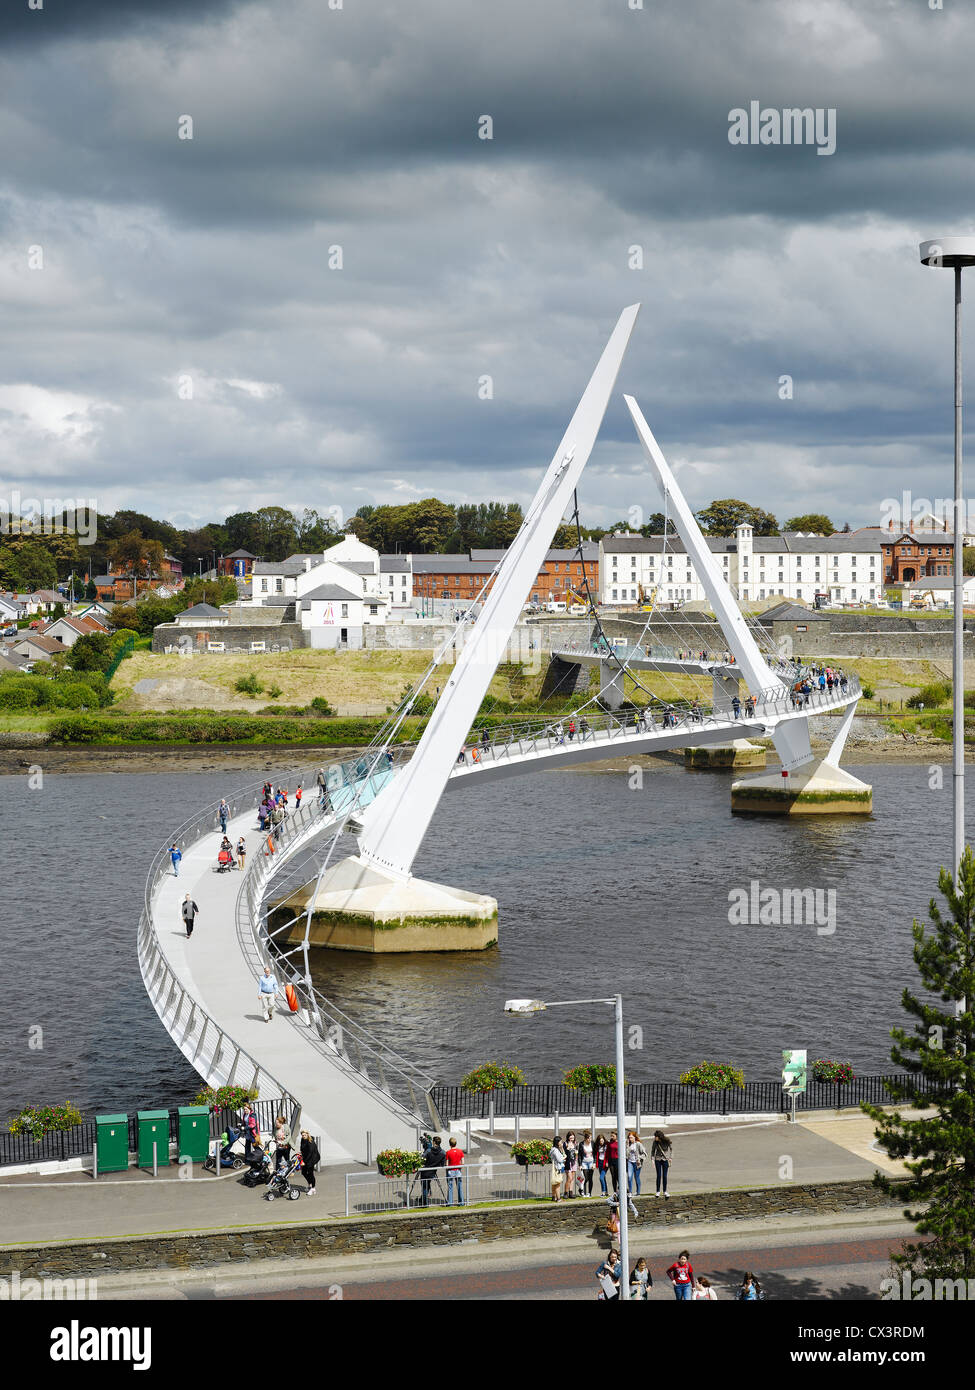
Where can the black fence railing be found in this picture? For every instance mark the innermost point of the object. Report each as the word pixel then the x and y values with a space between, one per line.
pixel 80 1139
pixel 662 1098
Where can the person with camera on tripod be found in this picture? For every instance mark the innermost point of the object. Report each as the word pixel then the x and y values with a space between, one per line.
pixel 433 1158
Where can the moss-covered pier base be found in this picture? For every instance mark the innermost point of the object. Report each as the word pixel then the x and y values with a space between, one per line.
pixel 360 907
pixel 725 757
pixel 817 790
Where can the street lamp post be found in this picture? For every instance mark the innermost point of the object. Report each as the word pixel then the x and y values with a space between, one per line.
pixel 534 1006
pixel 955 253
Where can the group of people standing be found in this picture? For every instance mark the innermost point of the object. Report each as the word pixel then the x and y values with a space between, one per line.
pixel 576 1164
pixel 687 1286
pixel 274 806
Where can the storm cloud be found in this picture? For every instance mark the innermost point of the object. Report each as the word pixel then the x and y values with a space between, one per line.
pixel 188 345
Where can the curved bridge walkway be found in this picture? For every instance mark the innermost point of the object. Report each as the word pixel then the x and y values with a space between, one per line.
pixel 346 1081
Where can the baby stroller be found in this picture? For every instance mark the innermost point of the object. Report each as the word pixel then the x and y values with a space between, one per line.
pixel 225 861
pixel 279 1185
pixel 231 1153
pixel 261 1166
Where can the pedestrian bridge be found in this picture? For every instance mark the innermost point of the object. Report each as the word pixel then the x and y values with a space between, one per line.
pixel 349 1083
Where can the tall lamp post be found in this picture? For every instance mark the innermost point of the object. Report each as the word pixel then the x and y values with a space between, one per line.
pixel 534 1006
pixel 954 253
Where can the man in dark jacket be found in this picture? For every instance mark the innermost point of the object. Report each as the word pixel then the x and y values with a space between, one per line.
pixel 433 1158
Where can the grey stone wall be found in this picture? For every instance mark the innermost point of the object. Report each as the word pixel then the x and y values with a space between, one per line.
pixel 434 1226
pixel 236 637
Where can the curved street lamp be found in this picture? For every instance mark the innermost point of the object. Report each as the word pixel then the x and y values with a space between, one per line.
pixel 535 1006
pixel 954 253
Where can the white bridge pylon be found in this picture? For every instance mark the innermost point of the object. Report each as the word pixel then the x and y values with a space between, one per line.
pixel 391 828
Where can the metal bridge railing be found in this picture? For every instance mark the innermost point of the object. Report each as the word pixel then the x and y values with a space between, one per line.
pixel 377 1067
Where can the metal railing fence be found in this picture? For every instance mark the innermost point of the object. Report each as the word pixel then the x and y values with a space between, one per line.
pixel 486 1181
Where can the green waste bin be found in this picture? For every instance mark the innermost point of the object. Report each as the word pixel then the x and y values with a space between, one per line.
pixel 194 1132
pixel 112 1138
pixel 153 1129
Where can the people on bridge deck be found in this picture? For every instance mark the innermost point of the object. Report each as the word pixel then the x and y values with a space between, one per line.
pixel 696 712
pixel 224 814
pixel 462 756
pixel 241 852
pixel 571 727
pixel 320 782
pixel 298 798
pixel 583 729
pixel 267 993
pixel 176 855
pixel 485 739
pixel 750 707
pixel 736 706
pixel 189 910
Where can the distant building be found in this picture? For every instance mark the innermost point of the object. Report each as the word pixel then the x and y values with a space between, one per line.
pixel 237 565
pixel 335 594
pixel 460 578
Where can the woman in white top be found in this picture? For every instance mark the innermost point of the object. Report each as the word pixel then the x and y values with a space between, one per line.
pixel 587 1162
pixel 557 1159
pixel 703 1290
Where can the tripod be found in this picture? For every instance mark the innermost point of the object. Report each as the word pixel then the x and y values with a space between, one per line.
pixel 425 1191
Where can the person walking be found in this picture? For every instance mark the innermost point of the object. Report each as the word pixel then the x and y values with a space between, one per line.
pixel 241 853
pixel 587 1162
pixel 736 706
pixel 572 729
pixel 557 1160
pixel 641 1280
pixel 309 1157
pixel 661 1151
pixel 320 783
pixel 681 1275
pixel 224 813
pixel 267 991
pixel 636 1156
pixel 601 1154
pixel 583 729
pixel 703 1292
pixel 189 911
pixel 298 798
pixel 609 1274
pixel 750 1290
pixel 455 1172
pixel 176 855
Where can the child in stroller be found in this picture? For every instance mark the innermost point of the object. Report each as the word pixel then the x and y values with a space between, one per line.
pixel 231 1151
pixel 225 857
pixel 261 1166
pixel 279 1185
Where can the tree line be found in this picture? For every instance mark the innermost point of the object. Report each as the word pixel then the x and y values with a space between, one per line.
pixel 135 541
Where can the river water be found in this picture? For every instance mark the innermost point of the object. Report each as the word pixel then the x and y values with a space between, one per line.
pixel 601 886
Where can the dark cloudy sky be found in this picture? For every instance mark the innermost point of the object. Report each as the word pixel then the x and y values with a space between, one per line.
pixel 207 259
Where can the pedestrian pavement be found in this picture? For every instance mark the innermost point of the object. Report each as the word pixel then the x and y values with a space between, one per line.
pixel 66 1207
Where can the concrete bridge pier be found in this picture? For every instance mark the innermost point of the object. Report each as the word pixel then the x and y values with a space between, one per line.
pixel 610 684
pixel 737 753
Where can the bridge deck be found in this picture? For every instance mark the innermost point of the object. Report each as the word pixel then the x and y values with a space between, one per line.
pixel 216 972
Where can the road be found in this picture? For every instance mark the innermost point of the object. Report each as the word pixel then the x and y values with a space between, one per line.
pixel 826 1258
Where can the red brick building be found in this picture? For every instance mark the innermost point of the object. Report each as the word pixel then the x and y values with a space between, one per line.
pixel 462 577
